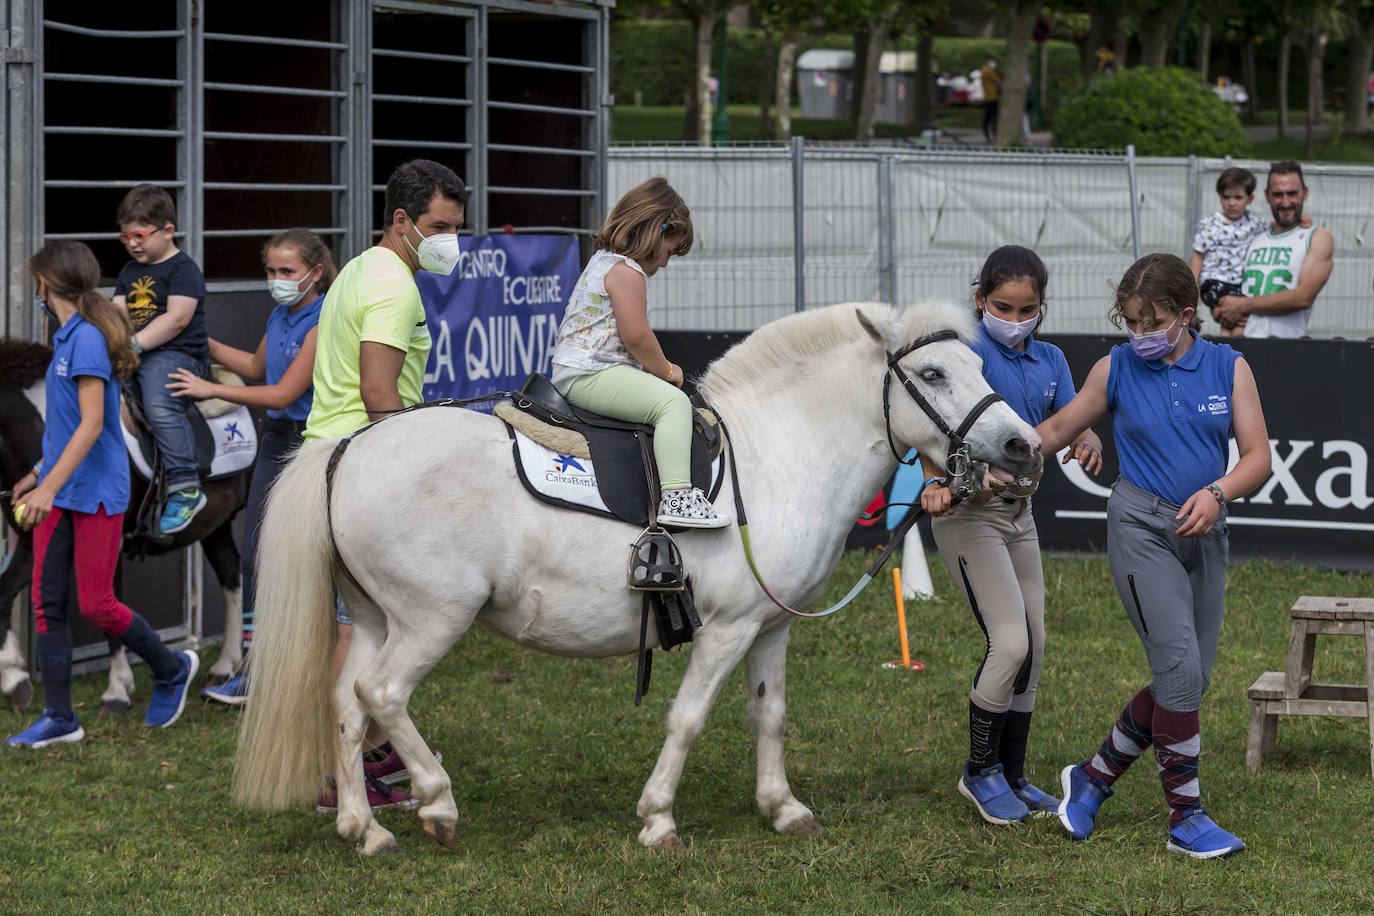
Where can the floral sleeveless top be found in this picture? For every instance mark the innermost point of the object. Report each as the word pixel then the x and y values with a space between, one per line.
pixel 589 339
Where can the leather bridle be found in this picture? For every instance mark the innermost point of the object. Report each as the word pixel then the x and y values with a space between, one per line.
pixel 957 463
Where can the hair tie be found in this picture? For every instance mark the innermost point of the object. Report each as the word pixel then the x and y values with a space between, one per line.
pixel 665 225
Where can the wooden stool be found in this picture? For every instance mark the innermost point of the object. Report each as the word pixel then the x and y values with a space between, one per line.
pixel 1292 692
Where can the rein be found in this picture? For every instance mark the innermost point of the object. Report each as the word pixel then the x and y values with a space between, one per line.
pixel 957 465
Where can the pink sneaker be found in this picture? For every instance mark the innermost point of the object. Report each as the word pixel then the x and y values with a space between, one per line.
pixel 392 770
pixel 379 796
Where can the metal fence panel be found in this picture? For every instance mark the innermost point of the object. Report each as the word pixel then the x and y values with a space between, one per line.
pixel 893 222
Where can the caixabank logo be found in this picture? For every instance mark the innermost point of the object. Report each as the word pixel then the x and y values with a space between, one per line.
pixel 567 469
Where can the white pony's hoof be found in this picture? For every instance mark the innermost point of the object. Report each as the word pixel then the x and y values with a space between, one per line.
pixel 671 841
pixel 660 835
pixel 798 826
pixel 114 707
pixel 20 695
pixel 379 842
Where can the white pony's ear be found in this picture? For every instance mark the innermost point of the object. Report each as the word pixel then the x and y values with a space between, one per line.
pixel 881 330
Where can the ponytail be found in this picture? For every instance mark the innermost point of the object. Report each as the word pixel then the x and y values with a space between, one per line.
pixel 115 325
pixel 71 271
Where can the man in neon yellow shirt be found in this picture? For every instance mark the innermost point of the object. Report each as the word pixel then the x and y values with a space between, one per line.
pixel 370 354
pixel 373 341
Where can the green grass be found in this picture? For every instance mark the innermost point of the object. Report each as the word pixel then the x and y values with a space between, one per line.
pixel 1347 148
pixel 653 123
pixel 548 764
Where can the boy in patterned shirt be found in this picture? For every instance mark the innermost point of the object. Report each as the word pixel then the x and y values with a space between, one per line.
pixel 1221 240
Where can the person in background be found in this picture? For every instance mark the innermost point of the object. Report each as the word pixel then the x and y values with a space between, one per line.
pixel 1285 267
pixel 163 292
pixel 992 548
pixel 1176 400
pixel 75 499
pixel 370 354
pixel 299 272
pixel 992 87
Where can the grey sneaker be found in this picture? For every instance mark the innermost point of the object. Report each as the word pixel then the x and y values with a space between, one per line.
pixel 689 508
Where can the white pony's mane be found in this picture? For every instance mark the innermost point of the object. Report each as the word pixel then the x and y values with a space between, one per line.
pixel 800 338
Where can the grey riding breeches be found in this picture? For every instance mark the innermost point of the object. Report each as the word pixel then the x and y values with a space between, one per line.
pixel 993 554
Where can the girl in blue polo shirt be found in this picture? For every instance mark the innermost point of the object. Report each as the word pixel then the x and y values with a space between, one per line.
pixel 299 271
pixel 75 499
pixel 991 546
pixel 1176 400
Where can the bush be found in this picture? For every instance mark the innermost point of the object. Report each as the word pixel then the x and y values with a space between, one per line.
pixel 655 57
pixel 1164 112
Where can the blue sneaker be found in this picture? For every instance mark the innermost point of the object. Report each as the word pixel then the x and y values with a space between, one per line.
pixel 1082 798
pixel 182 506
pixel 1198 837
pixel 233 691
pixel 47 730
pixel 992 796
pixel 169 697
pixel 1038 802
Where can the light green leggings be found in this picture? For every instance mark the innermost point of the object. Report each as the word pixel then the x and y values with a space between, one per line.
pixel 630 394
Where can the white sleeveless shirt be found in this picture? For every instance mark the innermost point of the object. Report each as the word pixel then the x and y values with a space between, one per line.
pixel 589 339
pixel 1273 263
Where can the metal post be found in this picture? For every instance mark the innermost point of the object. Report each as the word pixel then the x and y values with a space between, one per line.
pixel 1135 199
pixel 887 266
pixel 798 215
pixel 1194 195
pixel 480 202
pixel 22 134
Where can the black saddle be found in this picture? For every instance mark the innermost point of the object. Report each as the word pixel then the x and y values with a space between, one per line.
pixel 147 446
pixel 622 452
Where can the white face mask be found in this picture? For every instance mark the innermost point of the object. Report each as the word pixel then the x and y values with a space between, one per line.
pixel 1008 333
pixel 438 253
pixel 288 292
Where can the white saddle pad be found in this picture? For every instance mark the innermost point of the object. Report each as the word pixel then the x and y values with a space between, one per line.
pixel 236 444
pixel 561 477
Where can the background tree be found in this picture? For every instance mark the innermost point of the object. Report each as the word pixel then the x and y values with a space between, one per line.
pixel 1020 18
pixel 703 15
pixel 788 22
pixel 1157 18
pixel 873 23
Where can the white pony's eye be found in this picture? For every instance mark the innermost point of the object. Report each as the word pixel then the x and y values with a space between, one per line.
pixel 932 375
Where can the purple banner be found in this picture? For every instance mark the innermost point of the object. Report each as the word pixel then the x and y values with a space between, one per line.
pixel 494 320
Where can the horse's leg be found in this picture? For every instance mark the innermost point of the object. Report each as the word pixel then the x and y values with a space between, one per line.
pixel 223 555
pixel 14 671
pixel 767 682
pixel 385 688
pixel 120 690
pixel 716 651
pixel 355 821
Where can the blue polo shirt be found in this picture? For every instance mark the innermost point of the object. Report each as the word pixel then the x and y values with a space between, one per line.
pixel 78 348
pixel 1035 382
pixel 1172 424
pixel 285 335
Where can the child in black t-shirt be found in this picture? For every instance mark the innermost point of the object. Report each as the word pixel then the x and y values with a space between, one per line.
pixel 164 293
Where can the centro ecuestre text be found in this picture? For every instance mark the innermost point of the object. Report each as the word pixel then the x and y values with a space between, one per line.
pixel 502 345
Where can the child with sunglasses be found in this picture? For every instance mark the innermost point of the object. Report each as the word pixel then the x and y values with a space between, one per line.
pixel 163 292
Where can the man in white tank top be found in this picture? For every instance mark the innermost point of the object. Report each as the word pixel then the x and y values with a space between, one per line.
pixel 1285 268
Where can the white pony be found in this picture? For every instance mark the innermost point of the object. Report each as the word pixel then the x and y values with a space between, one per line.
pixel 429 530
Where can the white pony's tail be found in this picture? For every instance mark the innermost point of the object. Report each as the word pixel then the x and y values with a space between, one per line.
pixel 288 737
